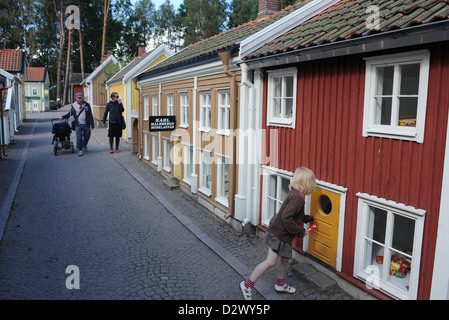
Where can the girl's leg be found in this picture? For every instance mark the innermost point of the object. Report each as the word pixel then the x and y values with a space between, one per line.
pixel 246 286
pixel 281 286
pixel 268 263
pixel 282 268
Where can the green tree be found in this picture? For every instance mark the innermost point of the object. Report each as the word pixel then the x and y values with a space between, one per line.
pixel 165 30
pixel 201 19
pixel 243 11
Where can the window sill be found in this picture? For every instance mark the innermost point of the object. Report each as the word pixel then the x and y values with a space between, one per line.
pixel 205 191
pixel 277 122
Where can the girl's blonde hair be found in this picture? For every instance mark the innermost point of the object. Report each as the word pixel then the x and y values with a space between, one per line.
pixel 303 180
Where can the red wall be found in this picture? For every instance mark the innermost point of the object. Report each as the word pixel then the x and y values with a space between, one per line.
pixel 328 139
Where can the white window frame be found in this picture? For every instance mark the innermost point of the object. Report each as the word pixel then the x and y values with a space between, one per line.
pixel 394 131
pixel 170 106
pixel 34 91
pixel 155 105
pixel 283 120
pixel 377 275
pixel 189 166
pixel 146 146
pixel 146 108
pixel 279 174
pixel 154 148
pixel 167 152
pixel 226 110
pixel 205 111
pixel 184 100
pixel 205 173
pixel 221 198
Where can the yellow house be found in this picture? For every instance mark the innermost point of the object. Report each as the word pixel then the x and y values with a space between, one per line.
pixel 129 92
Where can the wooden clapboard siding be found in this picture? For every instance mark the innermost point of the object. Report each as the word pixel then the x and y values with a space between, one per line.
pixel 328 139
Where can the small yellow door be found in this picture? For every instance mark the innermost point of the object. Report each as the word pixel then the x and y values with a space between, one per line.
pixel 325 208
pixel 178 159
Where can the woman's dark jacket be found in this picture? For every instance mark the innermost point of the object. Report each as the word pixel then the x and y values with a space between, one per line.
pixel 115 110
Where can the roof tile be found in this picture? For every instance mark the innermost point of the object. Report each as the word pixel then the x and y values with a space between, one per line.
pixel 347 19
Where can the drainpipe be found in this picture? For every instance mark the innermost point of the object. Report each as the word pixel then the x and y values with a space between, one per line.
pixel 194 176
pixel 225 56
pixel 159 156
pixel 140 133
pixel 248 115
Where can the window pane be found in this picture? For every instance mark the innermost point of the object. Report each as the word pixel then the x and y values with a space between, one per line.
pixel 289 86
pixel 271 208
pixel 289 107
pixel 277 83
pixel 383 111
pixel 408 108
pixel 284 189
pixel 410 79
pixel 272 186
pixel 277 107
pixel 225 189
pixel 385 80
pixel 373 258
pixel 403 234
pixel 400 268
pixel 377 222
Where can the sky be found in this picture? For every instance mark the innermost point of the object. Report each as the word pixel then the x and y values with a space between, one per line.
pixel 157 3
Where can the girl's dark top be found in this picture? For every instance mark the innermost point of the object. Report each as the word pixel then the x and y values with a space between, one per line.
pixel 115 110
pixel 286 223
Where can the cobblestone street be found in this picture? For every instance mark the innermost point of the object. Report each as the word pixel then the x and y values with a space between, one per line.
pixel 129 235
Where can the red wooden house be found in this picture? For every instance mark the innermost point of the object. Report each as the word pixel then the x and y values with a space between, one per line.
pixel 359 94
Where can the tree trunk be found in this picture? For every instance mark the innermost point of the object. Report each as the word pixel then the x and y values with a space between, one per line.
pixel 67 65
pixel 107 4
pixel 61 48
pixel 81 44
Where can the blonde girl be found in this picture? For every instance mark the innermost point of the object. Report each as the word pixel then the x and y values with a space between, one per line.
pixel 283 227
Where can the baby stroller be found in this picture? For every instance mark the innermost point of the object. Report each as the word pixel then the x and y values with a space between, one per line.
pixel 61 136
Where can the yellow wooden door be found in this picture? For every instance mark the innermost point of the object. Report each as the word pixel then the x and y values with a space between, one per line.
pixel 325 208
pixel 178 159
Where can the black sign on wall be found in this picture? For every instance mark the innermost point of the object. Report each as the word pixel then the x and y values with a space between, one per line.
pixel 162 123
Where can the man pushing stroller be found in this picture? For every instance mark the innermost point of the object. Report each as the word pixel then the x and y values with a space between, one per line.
pixel 84 122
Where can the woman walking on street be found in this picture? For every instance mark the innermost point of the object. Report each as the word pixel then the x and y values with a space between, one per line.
pixel 283 227
pixel 115 109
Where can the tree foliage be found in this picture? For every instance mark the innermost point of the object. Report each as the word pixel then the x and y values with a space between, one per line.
pixel 35 27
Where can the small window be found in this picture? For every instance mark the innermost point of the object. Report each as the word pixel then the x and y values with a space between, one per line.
pixel 205 100
pixel 155 105
pixel 146 146
pixel 167 150
pixel 146 107
pixel 155 148
pixel 396 96
pixel 274 193
pixel 206 173
pixel 282 97
pixel 388 245
pixel 223 181
pixel 35 92
pixel 188 163
pixel 170 108
pixel 184 110
pixel 224 107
